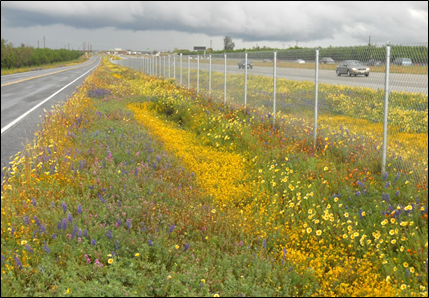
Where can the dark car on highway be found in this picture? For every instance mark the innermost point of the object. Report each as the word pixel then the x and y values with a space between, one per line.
pixel 327 60
pixel 352 68
pixel 374 62
pixel 242 63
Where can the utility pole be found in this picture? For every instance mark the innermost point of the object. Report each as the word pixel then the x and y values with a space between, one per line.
pixel 211 47
pixel 369 41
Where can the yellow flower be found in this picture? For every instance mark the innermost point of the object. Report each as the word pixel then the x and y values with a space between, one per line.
pixel 109 255
pixel 214 211
pixel 403 287
pixel 137 255
pixel 216 295
pixel 388 278
pixel 169 277
pixel 318 232
pixel 405 264
pixel 345 236
pixel 393 241
pixel 177 246
pixel 68 291
pixel 391 232
pixel 203 281
pixel 325 168
pixel 309 230
pixel 110 261
pixel 402 248
pixel 23 242
pixel 346 214
pixel 412 270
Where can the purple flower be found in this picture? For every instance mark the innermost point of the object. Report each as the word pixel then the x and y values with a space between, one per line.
pixel 360 184
pixel 17 262
pixel 36 220
pixel 79 209
pixel 29 248
pixel 387 185
pixel 101 198
pixel 79 233
pixel 186 247
pixel 128 223
pixel 284 252
pixel 26 220
pixel 93 243
pixel 397 193
pixel 64 224
pixel 149 242
pixel 59 225
pixel 33 200
pixel 64 206
pixel 69 217
pixel 154 166
pixel 52 205
pixel 54 235
pixel 396 178
pixel 2 259
pixel 264 243
pixel 357 193
pixel 385 176
pixel 109 234
pixel 42 228
pixel 158 158
pixel 12 231
pixel 46 248
pixel 119 222
pixel 85 233
pixel 171 228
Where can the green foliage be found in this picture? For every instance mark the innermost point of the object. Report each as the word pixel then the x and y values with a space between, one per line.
pixel 26 56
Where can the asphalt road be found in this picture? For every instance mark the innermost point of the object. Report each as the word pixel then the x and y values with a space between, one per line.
pixel 376 80
pixel 24 96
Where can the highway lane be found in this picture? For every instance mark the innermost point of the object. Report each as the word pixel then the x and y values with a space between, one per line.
pixel 22 103
pixel 376 80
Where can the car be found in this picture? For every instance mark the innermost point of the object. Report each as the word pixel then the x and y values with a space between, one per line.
pixel 374 62
pixel 267 60
pixel 242 63
pixel 300 61
pixel 327 60
pixel 352 68
pixel 403 61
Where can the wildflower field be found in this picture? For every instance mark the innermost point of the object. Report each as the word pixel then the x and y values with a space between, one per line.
pixel 136 186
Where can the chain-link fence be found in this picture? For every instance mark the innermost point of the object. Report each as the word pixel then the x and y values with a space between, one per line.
pixel 374 98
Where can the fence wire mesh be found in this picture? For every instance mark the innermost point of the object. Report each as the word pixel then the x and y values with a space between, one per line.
pixel 351 94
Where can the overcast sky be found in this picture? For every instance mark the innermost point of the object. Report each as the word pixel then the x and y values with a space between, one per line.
pixel 166 25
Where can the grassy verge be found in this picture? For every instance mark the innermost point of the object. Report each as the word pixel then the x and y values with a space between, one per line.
pixel 139 187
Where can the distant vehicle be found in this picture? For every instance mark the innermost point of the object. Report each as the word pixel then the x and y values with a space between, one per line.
pixel 352 68
pixel 300 61
pixel 267 60
pixel 374 62
pixel 242 63
pixel 403 61
pixel 327 60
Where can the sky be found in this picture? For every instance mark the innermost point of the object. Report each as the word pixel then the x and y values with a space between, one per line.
pixel 164 26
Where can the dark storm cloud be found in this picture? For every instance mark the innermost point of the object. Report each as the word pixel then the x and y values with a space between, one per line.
pixel 249 21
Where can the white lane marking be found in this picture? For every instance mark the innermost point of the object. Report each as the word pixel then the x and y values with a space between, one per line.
pixel 7 127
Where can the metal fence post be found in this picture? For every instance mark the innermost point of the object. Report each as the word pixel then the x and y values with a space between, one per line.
pixel 174 67
pixel 181 68
pixel 224 84
pixel 386 109
pixel 189 73
pixel 210 75
pixel 316 91
pixel 169 66
pixel 165 73
pixel 198 74
pixel 274 87
pixel 245 80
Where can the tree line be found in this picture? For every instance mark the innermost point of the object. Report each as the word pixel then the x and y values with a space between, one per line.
pixel 26 56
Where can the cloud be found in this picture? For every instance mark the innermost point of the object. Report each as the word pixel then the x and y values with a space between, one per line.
pixel 248 21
